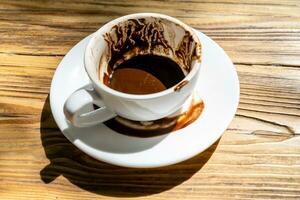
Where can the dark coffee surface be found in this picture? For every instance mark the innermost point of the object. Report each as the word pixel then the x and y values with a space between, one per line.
pixel 145 74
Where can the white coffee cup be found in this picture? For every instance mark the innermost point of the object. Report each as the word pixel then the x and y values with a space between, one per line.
pixel 178 42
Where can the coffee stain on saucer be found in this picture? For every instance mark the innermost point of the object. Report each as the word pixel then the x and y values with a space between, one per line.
pixel 157 127
pixel 190 116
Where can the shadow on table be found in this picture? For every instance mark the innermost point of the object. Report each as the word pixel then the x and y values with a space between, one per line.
pixel 105 179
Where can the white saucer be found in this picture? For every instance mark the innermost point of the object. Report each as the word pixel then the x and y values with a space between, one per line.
pixel 218 86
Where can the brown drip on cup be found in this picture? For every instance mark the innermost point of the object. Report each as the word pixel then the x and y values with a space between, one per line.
pixel 180 85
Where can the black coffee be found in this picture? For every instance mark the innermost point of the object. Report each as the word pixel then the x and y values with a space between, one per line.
pixel 145 74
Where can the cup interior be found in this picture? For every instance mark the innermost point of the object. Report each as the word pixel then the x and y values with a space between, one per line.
pixel 141 34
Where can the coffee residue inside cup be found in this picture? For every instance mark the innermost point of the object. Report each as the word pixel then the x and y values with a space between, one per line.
pixel 149 36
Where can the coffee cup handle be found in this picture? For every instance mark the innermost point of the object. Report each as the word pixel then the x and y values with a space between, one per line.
pixel 80 108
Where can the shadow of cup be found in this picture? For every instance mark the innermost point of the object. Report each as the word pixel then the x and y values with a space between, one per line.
pixel 105 179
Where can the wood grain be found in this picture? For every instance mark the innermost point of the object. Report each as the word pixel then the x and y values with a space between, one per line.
pixel 258 157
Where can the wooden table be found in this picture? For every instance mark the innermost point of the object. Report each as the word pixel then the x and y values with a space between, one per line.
pixel 258 157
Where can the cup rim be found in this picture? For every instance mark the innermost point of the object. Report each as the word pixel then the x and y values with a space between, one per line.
pixel 109 90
